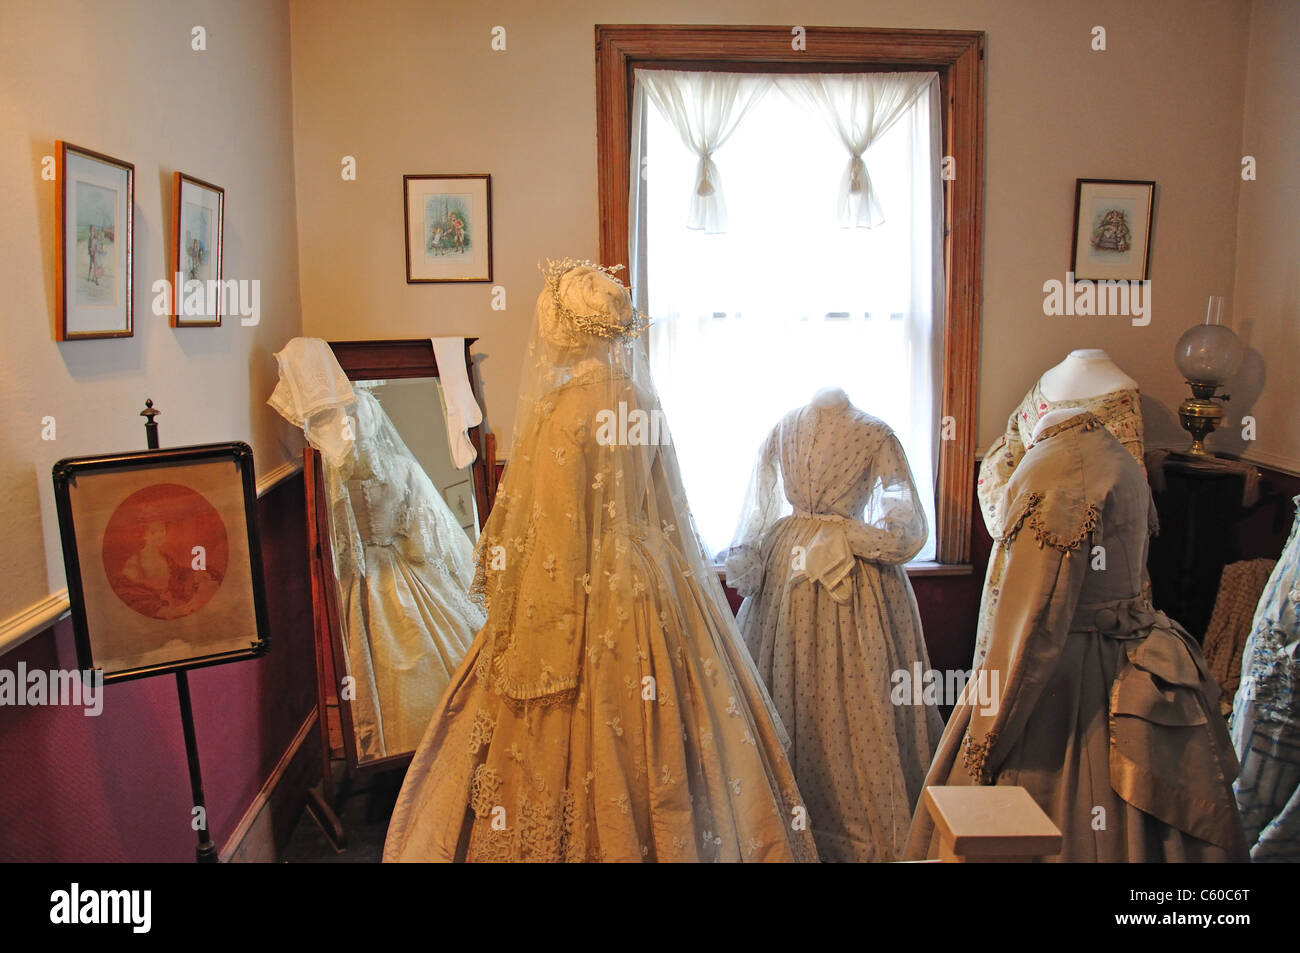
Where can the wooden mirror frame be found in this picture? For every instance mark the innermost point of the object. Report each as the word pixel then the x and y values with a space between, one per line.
pixel 367 360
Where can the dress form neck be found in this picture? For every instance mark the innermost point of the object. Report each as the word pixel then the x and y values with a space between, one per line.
pixel 1085 373
pixel 830 398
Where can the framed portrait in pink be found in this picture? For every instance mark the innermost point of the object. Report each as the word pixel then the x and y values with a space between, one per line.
pixel 162 558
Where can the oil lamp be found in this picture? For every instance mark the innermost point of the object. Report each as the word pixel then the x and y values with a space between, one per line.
pixel 1207 355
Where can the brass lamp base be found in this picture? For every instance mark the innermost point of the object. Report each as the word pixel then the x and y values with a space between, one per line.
pixel 1200 414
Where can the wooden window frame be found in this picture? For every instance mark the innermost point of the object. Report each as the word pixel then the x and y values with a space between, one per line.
pixel 958 58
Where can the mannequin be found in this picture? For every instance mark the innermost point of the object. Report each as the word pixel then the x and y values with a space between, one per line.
pixel 1087 372
pixel 1086 380
pixel 1103 709
pixel 608 709
pixel 831 516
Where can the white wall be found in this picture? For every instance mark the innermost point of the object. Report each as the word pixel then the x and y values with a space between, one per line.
pixel 121 78
pixel 413 86
pixel 1267 311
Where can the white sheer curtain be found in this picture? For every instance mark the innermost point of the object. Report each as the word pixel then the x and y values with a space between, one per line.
pixel 860 107
pixel 751 322
pixel 705 109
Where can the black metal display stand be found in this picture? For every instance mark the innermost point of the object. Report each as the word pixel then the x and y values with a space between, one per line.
pixel 206 851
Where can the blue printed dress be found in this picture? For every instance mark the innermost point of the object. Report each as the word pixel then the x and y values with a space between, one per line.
pixel 1266 715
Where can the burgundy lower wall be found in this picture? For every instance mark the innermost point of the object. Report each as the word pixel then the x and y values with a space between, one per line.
pixel 116 787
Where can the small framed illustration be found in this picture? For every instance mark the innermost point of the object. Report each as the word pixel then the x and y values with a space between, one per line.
pixel 198 209
pixel 448 227
pixel 93 204
pixel 460 498
pixel 1112 229
pixel 162 557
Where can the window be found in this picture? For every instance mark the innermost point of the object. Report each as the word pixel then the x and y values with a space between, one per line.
pixel 791 296
pixel 957 58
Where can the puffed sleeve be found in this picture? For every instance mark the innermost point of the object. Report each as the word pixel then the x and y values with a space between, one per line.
pixel 894 527
pixel 763 506
pixel 1040 592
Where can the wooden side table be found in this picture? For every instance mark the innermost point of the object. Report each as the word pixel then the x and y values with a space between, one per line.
pixel 1199 509
pixel 995 823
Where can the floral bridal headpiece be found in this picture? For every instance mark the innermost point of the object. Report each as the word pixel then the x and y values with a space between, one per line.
pixel 592 308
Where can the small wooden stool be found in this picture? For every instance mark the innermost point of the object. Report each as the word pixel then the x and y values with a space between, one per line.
pixel 990 823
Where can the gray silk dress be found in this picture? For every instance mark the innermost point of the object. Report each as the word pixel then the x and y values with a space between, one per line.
pixel 1103 708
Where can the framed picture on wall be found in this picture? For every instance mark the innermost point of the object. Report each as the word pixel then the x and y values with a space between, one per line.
pixel 93 205
pixel 1112 229
pixel 198 209
pixel 162 558
pixel 448 227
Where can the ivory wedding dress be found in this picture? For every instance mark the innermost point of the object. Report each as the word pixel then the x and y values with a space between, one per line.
pixel 608 710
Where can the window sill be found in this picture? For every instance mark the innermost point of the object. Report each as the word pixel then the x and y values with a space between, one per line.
pixel 931 568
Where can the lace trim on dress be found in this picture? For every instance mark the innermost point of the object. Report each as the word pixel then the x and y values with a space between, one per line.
pixel 1030 514
pixel 975 756
pixel 547 830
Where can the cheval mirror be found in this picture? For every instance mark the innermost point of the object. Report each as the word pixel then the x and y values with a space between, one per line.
pixel 402 375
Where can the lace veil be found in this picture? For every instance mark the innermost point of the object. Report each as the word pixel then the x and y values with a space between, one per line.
pixel 367 464
pixel 590 534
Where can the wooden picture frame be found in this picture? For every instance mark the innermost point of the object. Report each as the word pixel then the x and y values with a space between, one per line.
pixel 448 223
pixel 163 560
pixel 95 208
pixel 1112 238
pixel 198 229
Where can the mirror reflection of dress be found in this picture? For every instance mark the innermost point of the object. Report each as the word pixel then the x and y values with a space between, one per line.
pixel 608 711
pixel 1103 709
pixel 403 564
pixel 404 569
pixel 829 616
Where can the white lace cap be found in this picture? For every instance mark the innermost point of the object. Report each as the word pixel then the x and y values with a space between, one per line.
pixel 314 394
